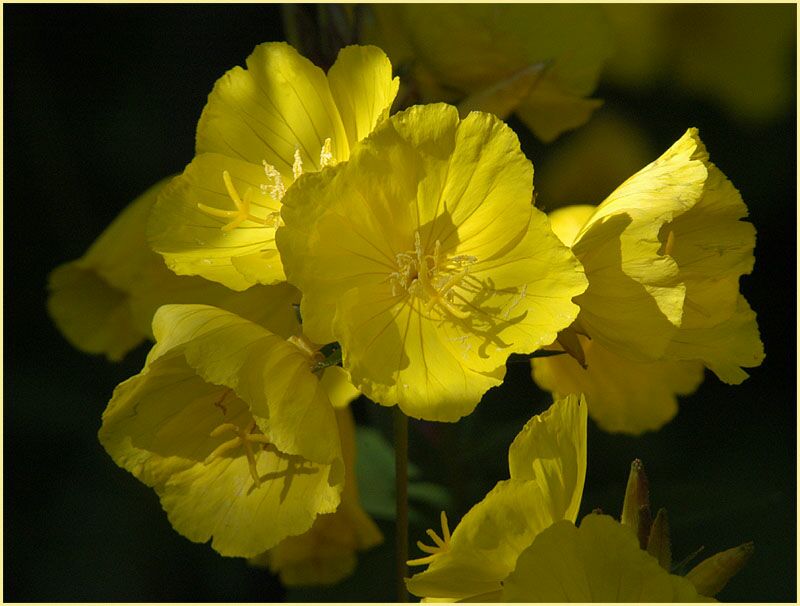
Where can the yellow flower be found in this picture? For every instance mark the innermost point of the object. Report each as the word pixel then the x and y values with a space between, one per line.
pixel 262 127
pixel 326 553
pixel 520 544
pixel 663 255
pixel 547 467
pixel 104 302
pixel 424 258
pixel 538 61
pixel 230 426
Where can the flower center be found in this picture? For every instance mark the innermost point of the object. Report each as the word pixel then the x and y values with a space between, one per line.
pixel 431 278
pixel 275 188
pixel 442 544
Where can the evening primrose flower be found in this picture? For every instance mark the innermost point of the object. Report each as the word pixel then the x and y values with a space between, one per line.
pixel 262 128
pixel 663 255
pixel 424 258
pixel 230 425
pixel 104 302
pixel 327 552
pixel 538 61
pixel 624 395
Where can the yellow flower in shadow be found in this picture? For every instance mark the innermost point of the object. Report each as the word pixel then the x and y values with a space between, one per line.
pixel 663 255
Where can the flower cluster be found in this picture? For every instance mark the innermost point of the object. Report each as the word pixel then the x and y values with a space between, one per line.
pixel 318 248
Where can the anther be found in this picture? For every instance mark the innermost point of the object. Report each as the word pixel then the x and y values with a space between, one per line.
pixel 432 278
pixel 275 188
pixel 297 167
pixel 326 155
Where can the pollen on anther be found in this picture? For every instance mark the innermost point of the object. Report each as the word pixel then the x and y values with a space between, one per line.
pixel 326 155
pixel 275 187
pixel 297 167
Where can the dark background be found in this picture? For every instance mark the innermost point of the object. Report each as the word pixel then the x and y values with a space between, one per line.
pixel 102 101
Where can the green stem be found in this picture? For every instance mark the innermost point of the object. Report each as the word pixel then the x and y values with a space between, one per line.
pixel 401 494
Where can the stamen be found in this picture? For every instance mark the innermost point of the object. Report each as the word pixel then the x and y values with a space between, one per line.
pixel 225 427
pixel 423 547
pixel 432 278
pixel 244 438
pixel 223 448
pixel 442 544
pixel 445 527
pixel 435 538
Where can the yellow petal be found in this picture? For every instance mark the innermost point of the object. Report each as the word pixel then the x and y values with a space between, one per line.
pixel 567 222
pixel 599 562
pixel 280 103
pixel 663 255
pixel 395 355
pixel 725 348
pixel 623 395
pixel 336 383
pixel 192 241
pixel 92 315
pixel 547 464
pixel 363 89
pixel 104 302
pixel 551 450
pixel 219 501
pixel 90 298
pixel 326 553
